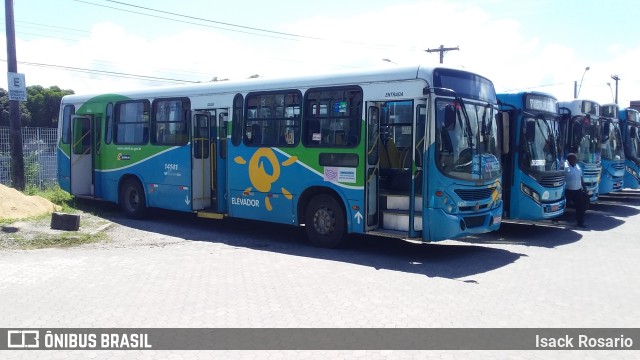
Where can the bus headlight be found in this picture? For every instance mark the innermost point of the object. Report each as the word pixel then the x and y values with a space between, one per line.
pixel 446 203
pixel 530 192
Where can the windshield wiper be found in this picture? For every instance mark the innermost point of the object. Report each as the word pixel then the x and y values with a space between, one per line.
pixel 467 122
pixel 550 138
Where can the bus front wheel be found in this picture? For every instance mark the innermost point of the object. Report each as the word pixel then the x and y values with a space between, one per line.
pixel 325 222
pixel 132 200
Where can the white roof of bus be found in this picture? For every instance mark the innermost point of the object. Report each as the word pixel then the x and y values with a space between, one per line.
pixel 263 84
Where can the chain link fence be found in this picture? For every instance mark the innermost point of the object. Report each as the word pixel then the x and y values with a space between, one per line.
pixel 39 151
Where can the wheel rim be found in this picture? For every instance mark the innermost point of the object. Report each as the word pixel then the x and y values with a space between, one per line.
pixel 133 199
pixel 324 221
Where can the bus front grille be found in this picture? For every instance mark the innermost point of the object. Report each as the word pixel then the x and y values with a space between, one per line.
pixel 552 181
pixel 474 194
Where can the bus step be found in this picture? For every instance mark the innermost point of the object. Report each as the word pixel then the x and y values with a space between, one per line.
pixel 400 202
pixel 210 215
pixel 395 234
pixel 399 220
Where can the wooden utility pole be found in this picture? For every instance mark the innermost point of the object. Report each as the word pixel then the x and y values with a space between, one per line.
pixel 15 138
pixel 442 50
pixel 616 78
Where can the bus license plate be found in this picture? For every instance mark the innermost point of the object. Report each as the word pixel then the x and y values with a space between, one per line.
pixel 554 207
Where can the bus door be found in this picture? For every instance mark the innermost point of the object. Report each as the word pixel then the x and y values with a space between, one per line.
pixel 82 165
pixel 219 159
pixel 418 156
pixel 97 156
pixel 373 165
pixel 201 160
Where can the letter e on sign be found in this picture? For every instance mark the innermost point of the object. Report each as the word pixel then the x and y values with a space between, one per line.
pixel 17 87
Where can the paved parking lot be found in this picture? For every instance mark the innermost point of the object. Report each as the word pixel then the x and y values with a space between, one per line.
pixel 174 270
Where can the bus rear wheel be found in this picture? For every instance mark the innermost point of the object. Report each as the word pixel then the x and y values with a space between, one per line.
pixel 325 222
pixel 132 200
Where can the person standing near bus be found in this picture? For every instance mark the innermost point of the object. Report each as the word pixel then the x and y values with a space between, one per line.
pixel 574 190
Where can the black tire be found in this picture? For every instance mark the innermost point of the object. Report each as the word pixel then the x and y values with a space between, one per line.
pixel 132 199
pixel 325 222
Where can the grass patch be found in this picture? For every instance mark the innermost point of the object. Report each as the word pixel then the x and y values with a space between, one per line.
pixel 56 195
pixel 71 204
pixel 65 239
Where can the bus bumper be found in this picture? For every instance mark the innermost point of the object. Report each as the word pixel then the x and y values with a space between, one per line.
pixel 528 209
pixel 444 226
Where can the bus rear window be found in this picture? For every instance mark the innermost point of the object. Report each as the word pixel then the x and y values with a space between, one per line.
pixel 69 111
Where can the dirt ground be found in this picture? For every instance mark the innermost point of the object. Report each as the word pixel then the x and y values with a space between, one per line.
pixel 16 205
pixel 26 221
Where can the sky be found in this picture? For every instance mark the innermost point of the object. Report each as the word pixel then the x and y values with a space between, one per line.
pixel 97 46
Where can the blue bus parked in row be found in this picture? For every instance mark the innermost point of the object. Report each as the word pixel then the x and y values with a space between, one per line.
pixel 629 124
pixel 533 166
pixel 580 134
pixel 611 150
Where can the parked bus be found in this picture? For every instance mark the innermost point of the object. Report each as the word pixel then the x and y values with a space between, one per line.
pixel 629 125
pixel 404 152
pixel 580 134
pixel 612 151
pixel 533 170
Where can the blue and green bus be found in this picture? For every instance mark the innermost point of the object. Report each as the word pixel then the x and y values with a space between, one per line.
pixel 629 125
pixel 612 151
pixel 580 134
pixel 405 152
pixel 533 168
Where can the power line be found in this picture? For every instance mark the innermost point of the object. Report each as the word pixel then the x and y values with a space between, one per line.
pixel 213 21
pixel 182 21
pixel 104 72
pixel 291 36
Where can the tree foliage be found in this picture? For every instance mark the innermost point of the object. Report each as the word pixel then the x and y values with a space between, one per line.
pixel 41 108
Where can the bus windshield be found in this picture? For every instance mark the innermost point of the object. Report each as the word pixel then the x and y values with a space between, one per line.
pixel 540 151
pixel 612 143
pixel 467 139
pixel 586 140
pixel 633 147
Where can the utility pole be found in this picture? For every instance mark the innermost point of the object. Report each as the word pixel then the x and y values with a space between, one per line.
pixel 15 138
pixel 442 50
pixel 616 78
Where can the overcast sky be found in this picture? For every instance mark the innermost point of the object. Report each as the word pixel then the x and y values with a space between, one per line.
pixel 542 45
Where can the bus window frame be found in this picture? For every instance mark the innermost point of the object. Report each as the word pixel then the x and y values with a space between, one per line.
pixel 144 117
pixel 269 124
pixel 350 137
pixel 179 138
pixel 66 123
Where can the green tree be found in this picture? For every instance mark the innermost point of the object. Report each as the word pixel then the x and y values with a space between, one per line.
pixel 25 115
pixel 44 105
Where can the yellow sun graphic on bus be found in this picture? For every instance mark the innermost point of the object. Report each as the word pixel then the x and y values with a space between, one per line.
pixel 260 178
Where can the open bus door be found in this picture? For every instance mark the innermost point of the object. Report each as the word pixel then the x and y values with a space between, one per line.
pixel 82 164
pixel 373 165
pixel 201 163
pixel 209 159
pixel 219 161
pixel 394 174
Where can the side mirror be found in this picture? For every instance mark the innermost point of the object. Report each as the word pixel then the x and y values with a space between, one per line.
pixel 605 131
pixel 502 119
pixel 449 117
pixel 530 130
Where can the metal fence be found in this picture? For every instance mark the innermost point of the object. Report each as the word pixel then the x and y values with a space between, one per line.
pixel 39 152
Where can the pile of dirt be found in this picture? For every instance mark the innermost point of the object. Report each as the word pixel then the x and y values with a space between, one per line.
pixel 16 205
